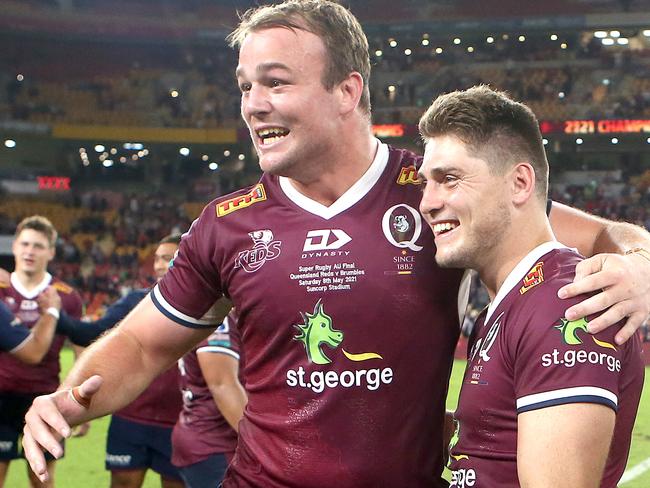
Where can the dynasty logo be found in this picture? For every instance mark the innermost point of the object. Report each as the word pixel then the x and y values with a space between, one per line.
pixel 264 249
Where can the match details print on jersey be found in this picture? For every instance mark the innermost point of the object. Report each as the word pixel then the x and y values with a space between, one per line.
pixel 337 306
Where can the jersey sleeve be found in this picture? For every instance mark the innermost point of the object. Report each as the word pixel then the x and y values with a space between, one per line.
pixel 11 336
pixel 83 333
pixel 224 340
pixel 192 285
pixel 557 361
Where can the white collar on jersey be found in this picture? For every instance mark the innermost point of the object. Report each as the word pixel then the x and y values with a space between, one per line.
pixel 31 294
pixel 519 271
pixel 355 193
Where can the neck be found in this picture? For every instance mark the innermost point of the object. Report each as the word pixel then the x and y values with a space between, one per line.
pixel 344 166
pixel 30 280
pixel 521 238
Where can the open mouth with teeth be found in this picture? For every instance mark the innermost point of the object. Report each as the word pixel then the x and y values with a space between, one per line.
pixel 271 135
pixel 441 228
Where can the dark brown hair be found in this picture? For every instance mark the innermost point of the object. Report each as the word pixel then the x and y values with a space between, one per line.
pixel 171 239
pixel 491 125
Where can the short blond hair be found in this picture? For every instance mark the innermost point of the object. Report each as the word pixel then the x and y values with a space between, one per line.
pixel 39 224
pixel 338 28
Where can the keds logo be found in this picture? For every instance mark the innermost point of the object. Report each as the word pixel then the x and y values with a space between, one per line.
pixel 264 249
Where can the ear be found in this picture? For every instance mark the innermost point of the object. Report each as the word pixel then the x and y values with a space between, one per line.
pixel 52 253
pixel 522 183
pixel 350 90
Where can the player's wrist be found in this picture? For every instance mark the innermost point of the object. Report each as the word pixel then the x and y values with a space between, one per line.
pixel 53 311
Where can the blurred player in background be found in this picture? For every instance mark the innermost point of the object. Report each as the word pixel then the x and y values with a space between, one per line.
pixel 205 435
pixel 33 248
pixel 344 316
pixel 542 403
pixel 30 345
pixel 139 435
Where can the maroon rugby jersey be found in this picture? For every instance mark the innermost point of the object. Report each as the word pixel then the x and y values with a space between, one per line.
pixel 201 430
pixel 525 356
pixel 159 404
pixel 16 376
pixel 348 328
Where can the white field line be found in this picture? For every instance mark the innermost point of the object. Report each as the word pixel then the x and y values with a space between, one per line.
pixel 635 472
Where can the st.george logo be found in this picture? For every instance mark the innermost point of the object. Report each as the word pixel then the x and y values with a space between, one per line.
pixel 317 331
pixel 264 249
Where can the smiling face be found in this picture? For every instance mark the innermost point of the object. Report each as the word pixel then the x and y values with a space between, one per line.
pixel 292 118
pixel 465 205
pixel 32 252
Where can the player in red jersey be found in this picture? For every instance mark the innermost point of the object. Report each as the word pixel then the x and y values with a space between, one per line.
pixel 542 402
pixel 205 435
pixel 33 249
pixel 345 319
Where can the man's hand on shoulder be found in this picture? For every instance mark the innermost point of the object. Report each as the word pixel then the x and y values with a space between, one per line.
pixel 622 286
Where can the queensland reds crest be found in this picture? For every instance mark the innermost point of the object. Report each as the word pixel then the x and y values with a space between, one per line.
pixel 264 249
pixel 402 226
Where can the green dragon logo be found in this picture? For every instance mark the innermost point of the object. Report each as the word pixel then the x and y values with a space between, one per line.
pixel 569 330
pixel 452 444
pixel 316 331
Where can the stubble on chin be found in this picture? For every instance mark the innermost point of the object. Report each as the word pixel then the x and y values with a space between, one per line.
pixel 458 258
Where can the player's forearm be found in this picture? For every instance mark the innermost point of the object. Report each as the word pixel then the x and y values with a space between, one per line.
pixel 40 340
pixel 129 357
pixel 116 357
pixel 620 237
pixel 231 400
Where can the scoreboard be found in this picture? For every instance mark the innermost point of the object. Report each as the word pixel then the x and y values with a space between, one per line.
pixel 594 126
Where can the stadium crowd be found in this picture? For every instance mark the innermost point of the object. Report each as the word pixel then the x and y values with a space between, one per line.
pixel 566 76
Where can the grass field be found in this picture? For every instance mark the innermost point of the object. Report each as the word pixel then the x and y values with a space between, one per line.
pixel 83 466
